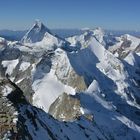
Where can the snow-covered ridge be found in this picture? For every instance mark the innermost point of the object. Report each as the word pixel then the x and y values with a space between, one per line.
pixel 82 40
pixel 10 65
pixel 124 45
pixel 2 40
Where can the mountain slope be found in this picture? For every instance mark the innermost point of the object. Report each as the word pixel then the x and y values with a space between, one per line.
pixel 124 45
pixel 40 37
pixel 106 88
pixel 36 33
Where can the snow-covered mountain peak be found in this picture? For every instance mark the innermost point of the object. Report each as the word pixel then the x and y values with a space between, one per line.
pixel 38 22
pixel 124 45
pixel 3 43
pixel 97 31
pixel 84 39
pixel 99 34
pixel 128 37
pixel 38 25
pixel 2 40
pixel 40 38
pixel 36 33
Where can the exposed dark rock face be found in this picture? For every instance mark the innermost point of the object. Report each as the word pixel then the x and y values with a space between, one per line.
pixel 66 108
pixel 8 112
pixel 73 80
pixel 66 73
pixel 122 49
pixel 11 119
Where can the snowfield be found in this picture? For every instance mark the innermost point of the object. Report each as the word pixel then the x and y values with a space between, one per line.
pixel 10 65
pixel 48 89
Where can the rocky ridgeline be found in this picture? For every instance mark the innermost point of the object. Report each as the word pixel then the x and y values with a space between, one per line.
pixel 8 113
pixel 19 120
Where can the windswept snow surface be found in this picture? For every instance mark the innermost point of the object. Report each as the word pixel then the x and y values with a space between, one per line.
pixel 24 66
pixel 6 90
pixel 10 65
pixel 2 41
pixel 49 42
pixel 133 59
pixel 48 89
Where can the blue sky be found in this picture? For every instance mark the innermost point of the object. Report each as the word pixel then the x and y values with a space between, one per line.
pixel 108 14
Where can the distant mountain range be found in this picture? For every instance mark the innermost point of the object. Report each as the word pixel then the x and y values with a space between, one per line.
pixel 17 35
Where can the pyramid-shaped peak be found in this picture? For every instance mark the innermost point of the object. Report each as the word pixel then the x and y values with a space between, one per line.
pixel 38 22
pixel 99 28
pixel 38 25
pixel 36 33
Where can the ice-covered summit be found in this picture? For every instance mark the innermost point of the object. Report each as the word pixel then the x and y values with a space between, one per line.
pixel 36 33
pixel 83 40
pixel 40 37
